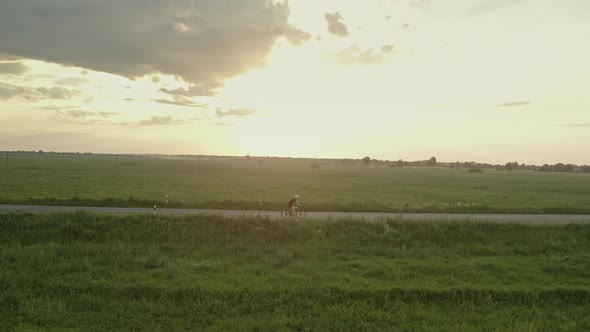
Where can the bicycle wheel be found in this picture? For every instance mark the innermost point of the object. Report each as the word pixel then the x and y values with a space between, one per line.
pixel 285 214
pixel 301 214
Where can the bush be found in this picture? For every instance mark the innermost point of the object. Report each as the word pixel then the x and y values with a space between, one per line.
pixel 475 170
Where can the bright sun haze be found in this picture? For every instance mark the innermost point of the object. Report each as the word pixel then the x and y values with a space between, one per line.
pixel 484 80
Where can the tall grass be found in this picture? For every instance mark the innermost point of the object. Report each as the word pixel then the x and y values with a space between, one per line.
pixel 91 272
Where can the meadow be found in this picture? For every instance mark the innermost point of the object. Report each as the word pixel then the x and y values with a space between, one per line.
pixel 268 183
pixel 84 272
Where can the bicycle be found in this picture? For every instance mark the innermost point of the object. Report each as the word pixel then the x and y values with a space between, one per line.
pixel 299 213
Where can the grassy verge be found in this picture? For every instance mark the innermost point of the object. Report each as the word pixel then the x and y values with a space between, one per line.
pixel 279 206
pixel 88 272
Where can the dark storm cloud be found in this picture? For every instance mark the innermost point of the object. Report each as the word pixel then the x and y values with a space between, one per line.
pixel 8 57
pixel 235 112
pixel 13 68
pixel 336 25
pixel 204 42
pixel 514 103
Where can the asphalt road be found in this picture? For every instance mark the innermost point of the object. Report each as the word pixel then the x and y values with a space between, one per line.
pixel 526 218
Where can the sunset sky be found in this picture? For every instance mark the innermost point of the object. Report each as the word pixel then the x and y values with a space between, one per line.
pixel 483 80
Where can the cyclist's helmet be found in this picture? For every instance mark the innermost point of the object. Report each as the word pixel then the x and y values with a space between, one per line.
pixel 296 196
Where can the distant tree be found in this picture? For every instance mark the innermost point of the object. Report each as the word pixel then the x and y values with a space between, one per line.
pixel 585 169
pixel 545 168
pixel 400 163
pixel 248 157
pixel 511 166
pixel 431 162
pixel 366 161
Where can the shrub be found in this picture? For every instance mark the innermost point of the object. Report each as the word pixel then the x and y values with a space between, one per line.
pixel 475 170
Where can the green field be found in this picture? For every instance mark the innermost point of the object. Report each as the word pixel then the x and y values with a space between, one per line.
pixel 85 272
pixel 237 183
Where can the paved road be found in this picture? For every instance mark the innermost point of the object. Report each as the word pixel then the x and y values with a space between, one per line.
pixel 527 218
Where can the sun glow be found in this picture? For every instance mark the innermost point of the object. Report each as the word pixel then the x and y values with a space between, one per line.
pixel 464 80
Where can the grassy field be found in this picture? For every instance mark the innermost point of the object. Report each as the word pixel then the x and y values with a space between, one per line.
pixel 86 272
pixel 237 183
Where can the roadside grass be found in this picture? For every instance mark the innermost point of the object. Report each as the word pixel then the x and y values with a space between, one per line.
pixel 92 272
pixel 240 184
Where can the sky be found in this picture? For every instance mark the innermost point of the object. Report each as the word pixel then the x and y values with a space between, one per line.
pixel 462 80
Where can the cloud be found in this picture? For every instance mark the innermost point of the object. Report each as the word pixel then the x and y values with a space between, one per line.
pixel 487 6
pixel 107 114
pixel 355 55
pixel 55 92
pixel 576 125
pixel 336 25
pixel 389 48
pixel 420 4
pixel 33 94
pixel 13 68
pixel 217 39
pixel 235 112
pixel 72 81
pixel 205 89
pixel 514 104
pixel 160 121
pixel 8 57
pixel 74 113
pixel 179 101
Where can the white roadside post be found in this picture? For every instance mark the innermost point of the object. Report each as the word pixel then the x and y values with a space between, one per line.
pixel 154 209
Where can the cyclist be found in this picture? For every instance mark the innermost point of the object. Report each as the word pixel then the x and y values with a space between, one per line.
pixel 293 205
